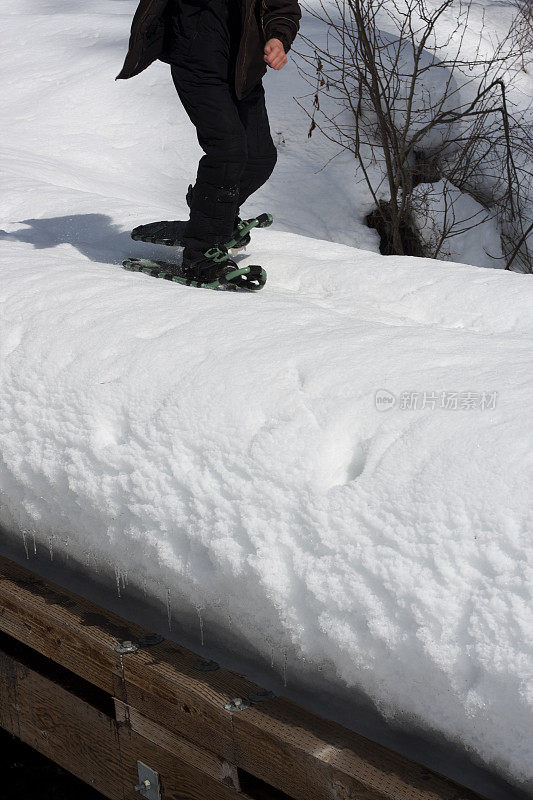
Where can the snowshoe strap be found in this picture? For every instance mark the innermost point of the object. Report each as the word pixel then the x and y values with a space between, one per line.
pixel 217 254
pixel 250 278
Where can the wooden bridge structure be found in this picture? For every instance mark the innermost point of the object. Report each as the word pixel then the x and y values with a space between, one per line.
pixel 135 715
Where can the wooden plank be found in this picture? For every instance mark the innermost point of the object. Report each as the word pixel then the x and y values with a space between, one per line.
pixel 94 747
pixel 81 636
pixel 72 733
pixel 61 626
pixel 291 749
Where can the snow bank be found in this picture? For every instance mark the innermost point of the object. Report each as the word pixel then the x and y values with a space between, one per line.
pixel 334 475
pixel 230 448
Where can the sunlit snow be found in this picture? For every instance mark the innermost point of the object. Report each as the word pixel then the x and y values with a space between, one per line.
pixel 333 476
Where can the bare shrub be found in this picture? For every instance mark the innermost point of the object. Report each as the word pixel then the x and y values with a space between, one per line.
pixel 523 30
pixel 416 98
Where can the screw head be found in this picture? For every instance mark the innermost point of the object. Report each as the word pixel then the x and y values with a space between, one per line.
pixel 126 647
pixel 237 704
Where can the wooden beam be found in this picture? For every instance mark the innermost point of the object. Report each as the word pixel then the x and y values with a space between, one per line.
pixel 96 748
pixel 70 731
pixel 299 753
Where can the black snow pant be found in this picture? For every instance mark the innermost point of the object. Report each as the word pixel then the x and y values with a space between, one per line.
pixel 234 134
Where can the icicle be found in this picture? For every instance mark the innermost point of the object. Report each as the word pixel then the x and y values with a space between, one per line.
pixel 64 550
pixel 25 544
pixel 169 611
pixel 51 547
pixel 34 543
pixel 199 612
pixel 117 578
pixel 285 668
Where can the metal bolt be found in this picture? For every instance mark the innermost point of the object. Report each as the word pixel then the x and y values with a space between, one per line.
pixel 143 787
pixel 237 704
pixel 126 647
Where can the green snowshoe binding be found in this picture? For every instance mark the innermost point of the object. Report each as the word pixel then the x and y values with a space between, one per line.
pixel 215 271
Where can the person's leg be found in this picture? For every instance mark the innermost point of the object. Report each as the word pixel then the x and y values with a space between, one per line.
pixel 222 136
pixel 262 153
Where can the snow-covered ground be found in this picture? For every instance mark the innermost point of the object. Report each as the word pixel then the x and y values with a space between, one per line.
pixel 330 481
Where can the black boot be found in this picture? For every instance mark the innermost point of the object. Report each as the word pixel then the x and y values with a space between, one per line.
pixel 241 241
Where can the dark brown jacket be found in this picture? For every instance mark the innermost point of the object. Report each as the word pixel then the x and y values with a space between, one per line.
pixel 263 20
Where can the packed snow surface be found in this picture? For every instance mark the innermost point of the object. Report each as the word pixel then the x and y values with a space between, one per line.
pixel 334 474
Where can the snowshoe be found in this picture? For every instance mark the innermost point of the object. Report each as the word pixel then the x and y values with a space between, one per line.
pixel 170 233
pixel 215 271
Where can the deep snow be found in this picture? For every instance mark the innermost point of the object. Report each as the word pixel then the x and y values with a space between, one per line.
pixel 230 453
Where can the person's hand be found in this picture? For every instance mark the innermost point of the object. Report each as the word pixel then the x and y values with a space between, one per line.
pixel 275 54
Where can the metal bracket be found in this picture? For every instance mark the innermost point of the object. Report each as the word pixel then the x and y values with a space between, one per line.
pixel 148 785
